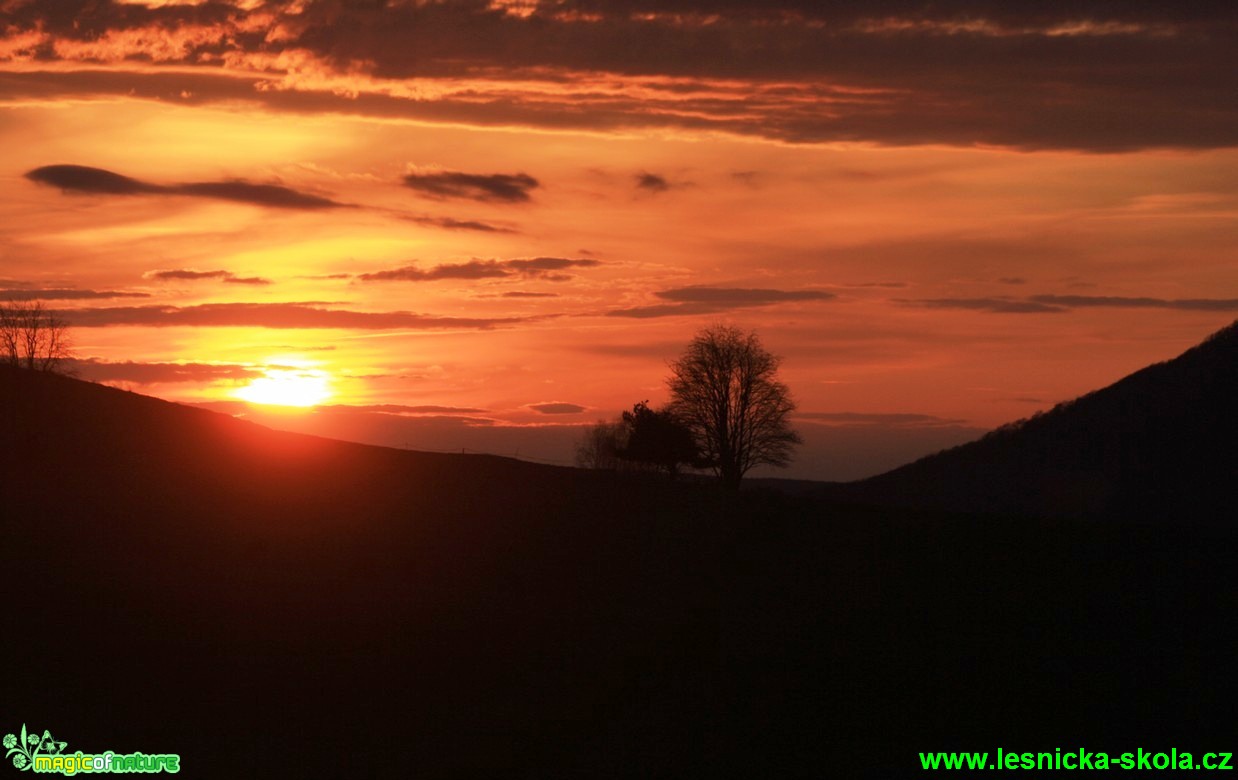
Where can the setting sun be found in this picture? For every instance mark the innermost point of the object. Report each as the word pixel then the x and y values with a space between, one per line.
pixel 287 387
pixel 275 204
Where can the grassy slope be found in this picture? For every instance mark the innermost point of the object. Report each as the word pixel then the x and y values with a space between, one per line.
pixel 273 605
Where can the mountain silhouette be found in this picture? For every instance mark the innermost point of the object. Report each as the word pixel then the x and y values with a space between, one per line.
pixel 270 604
pixel 1162 442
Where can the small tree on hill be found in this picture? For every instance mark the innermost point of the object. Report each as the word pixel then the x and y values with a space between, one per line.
pixel 659 439
pixel 32 337
pixel 725 389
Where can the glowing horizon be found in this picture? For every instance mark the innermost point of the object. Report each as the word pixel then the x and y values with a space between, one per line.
pixel 489 246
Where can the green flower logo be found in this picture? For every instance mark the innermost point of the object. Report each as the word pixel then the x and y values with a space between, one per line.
pixel 22 750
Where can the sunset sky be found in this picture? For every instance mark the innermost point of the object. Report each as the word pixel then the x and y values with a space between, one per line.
pixel 482 224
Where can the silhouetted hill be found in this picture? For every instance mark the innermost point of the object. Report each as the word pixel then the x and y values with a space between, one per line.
pixel 182 577
pixel 273 605
pixel 1161 442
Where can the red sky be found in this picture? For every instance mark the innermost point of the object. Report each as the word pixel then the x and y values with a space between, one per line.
pixel 481 225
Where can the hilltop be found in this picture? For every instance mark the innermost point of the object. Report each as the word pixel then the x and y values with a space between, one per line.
pixel 1162 442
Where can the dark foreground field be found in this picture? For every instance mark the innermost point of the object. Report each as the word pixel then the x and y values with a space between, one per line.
pixel 273 605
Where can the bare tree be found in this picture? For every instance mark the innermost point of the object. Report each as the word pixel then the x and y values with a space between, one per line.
pixel 32 336
pixel 725 388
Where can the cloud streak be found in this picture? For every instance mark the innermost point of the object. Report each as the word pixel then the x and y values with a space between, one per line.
pixel 994 305
pixel 274 315
pixel 1181 304
pixel 451 223
pixel 741 296
pixel 489 188
pixel 711 300
pixel 535 267
pixel 66 294
pixel 557 407
pixel 97 181
pixel 1057 304
pixel 162 373
pixel 191 275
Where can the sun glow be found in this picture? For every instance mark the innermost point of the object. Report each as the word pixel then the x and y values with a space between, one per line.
pixel 298 387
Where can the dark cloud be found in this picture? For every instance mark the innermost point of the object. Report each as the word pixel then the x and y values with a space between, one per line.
pixel 160 373
pixel 1186 304
pixel 273 315
pixel 474 269
pixel 535 267
pixel 246 280
pixel 186 274
pixel 1049 304
pixel 494 187
pixel 558 407
pixel 84 179
pixel 80 178
pixel 893 89
pixel 1012 280
pixel 711 300
pixel 840 12
pixel 190 275
pixel 450 223
pixel 652 182
pixel 27 294
pixel 997 305
pixel 1097 75
pixel 272 195
pixel 740 296
pixel 663 310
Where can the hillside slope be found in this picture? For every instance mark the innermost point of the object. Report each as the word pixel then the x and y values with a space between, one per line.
pixel 1162 442
pixel 230 587
pixel 273 605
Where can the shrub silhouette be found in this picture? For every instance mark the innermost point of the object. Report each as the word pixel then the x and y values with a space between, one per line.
pixel 659 439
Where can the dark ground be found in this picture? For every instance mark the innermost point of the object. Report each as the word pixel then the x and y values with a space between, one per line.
pixel 274 605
